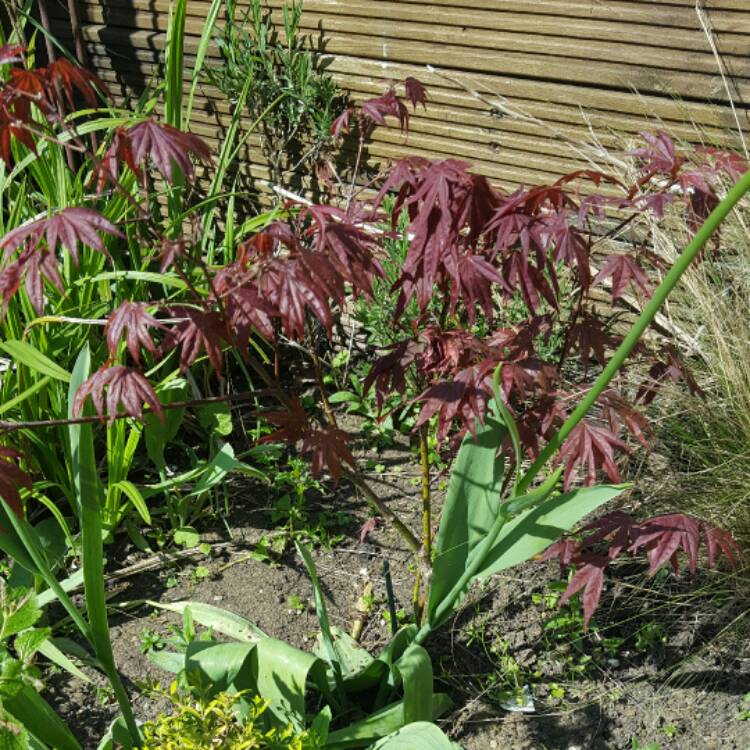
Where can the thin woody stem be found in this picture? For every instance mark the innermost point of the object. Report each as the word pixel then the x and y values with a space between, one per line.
pixel 12 426
pixel 424 456
pixel 384 511
pixel 330 416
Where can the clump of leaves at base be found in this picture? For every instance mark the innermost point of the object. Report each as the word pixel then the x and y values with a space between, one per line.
pixel 231 722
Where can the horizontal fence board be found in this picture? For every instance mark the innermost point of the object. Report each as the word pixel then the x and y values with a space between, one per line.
pixel 472 88
pixel 479 28
pixel 679 72
pixel 491 14
pixel 502 108
pixel 520 85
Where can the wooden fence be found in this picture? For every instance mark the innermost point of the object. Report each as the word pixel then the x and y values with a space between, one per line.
pixel 515 85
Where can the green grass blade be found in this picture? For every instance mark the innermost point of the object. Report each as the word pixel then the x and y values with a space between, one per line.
pixel 90 498
pixel 200 57
pixel 175 63
pixel 28 393
pixel 34 554
pixel 51 652
pixel 325 625
pixel 135 497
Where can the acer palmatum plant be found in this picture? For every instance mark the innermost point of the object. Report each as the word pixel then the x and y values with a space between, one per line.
pixel 472 247
pixel 473 252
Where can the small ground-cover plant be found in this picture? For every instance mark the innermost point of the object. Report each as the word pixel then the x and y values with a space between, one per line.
pixel 201 723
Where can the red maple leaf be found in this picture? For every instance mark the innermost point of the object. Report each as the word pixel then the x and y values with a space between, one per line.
pixel 25 87
pixel 590 578
pixel 119 152
pixel 416 93
pixel 659 156
pixel 618 412
pixel 591 447
pixel 341 123
pixel 384 106
pixel 589 335
pixel 295 284
pixel 166 147
pixel 34 265
pixel 662 537
pixel 198 330
pixel 63 75
pixel 571 246
pixel 463 397
pixel 132 320
pixel 673 368
pixel 328 444
pixel 11 478
pixel 66 228
pixel 624 270
pixel 367 528
pixel 388 373
pixel 350 249
pixel 124 387
pixel 11 53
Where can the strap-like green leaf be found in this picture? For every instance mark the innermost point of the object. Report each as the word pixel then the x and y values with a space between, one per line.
pixel 415 669
pixel 471 506
pixel 421 735
pixel 530 533
pixel 135 497
pixel 219 620
pixel 24 353
pixel 380 724
pixel 31 710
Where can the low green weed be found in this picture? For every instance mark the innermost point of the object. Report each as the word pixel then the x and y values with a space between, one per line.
pixel 231 721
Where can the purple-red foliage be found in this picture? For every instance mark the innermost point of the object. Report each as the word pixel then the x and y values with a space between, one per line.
pixel 472 248
pixel 113 386
pixel 663 538
pixel 12 477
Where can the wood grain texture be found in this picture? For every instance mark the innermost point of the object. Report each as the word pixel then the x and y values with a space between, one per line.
pixel 517 87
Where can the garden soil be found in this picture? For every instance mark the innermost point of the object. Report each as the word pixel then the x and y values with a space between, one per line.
pixel 678 678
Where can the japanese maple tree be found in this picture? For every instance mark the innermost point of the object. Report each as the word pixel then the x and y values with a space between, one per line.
pixel 494 276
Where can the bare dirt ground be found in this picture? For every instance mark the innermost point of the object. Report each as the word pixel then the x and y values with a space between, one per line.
pixel 679 683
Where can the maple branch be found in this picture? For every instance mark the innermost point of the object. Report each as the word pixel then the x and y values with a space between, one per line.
pixel 652 307
pixel 424 456
pixel 12 426
pixel 384 510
